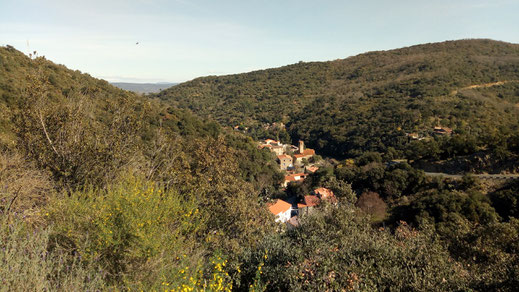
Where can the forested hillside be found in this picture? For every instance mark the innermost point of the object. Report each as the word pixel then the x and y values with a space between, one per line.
pixel 370 101
pixel 56 115
pixel 110 184
pixel 102 189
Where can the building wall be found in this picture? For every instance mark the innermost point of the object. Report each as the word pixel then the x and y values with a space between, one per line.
pixel 305 211
pixel 278 150
pixel 285 163
pixel 284 216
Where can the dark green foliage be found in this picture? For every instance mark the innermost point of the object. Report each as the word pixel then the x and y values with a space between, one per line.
pixel 141 193
pixel 338 249
pixel 491 254
pixel 391 182
pixel 370 101
pixel 368 157
pixel 506 201
pixel 450 210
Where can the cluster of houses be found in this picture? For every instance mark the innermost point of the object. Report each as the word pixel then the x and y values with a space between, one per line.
pixel 297 164
pixel 294 160
pixel 289 213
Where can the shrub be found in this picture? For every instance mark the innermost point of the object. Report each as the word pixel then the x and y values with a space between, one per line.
pixel 372 204
pixel 128 228
pixel 26 264
pixel 337 249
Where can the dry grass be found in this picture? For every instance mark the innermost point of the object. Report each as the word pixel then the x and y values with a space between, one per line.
pixel 23 188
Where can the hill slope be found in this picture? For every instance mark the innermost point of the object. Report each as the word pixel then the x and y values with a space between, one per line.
pixel 105 178
pixel 119 192
pixel 86 131
pixel 370 101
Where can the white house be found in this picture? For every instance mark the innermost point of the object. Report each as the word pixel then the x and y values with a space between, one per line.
pixel 281 210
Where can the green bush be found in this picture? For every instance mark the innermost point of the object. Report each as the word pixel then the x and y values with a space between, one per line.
pixel 27 264
pixel 129 228
pixel 337 249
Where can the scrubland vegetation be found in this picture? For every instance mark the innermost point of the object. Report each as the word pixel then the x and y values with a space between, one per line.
pixel 102 189
pixel 369 102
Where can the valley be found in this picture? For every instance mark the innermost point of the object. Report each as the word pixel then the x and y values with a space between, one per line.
pixel 390 170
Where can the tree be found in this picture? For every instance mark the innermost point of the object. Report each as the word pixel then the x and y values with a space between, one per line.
pixel 341 190
pixel 506 201
pixel 372 204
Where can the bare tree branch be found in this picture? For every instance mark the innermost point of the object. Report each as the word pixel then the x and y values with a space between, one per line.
pixel 46 133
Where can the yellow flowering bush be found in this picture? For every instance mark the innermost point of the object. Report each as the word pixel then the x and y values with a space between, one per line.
pixel 258 285
pixel 216 278
pixel 130 225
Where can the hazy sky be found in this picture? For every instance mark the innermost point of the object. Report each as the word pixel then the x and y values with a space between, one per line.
pixel 183 39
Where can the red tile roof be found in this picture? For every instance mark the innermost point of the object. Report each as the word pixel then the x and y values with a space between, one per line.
pixel 284 156
pixel 323 192
pixel 311 201
pixel 270 141
pixel 292 177
pixel 312 169
pixel 306 152
pixel 326 194
pixel 279 206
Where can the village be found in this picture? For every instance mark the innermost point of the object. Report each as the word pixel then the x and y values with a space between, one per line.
pixel 297 162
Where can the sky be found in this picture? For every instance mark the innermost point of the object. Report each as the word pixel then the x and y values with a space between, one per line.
pixel 178 40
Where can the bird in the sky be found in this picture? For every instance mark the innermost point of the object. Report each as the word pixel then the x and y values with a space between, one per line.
pixel 137 43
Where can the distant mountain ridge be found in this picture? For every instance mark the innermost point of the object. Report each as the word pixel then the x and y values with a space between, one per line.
pixel 144 87
pixel 370 101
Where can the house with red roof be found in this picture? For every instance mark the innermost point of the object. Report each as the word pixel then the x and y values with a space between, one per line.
pixel 281 209
pixel 325 194
pixel 311 169
pixel 273 145
pixel 271 142
pixel 303 153
pixel 308 204
pixel 268 146
pixel 297 177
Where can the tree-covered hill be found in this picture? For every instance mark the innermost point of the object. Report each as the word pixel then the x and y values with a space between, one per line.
pixel 108 184
pixel 91 128
pixel 369 101
pixel 103 189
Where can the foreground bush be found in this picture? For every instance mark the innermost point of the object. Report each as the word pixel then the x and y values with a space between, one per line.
pixel 337 249
pixel 27 265
pixel 136 233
